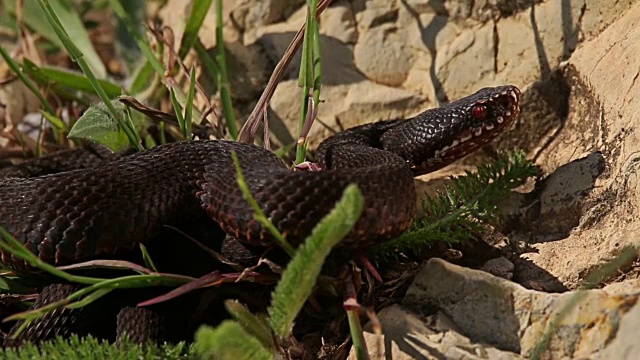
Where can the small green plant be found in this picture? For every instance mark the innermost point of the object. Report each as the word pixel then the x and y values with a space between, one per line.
pixel 75 348
pixel 460 211
pixel 292 291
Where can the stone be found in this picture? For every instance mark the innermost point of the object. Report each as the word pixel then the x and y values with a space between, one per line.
pixel 377 12
pixel 495 311
pixel 466 64
pixel 338 22
pixel 500 267
pixel 625 346
pixel 601 119
pixel 380 54
pixel 563 194
pixel 254 15
pixel 406 336
pixel 345 106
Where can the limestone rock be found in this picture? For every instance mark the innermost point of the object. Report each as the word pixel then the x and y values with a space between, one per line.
pixel 345 106
pixel 338 22
pixel 467 61
pixel 382 56
pixel 495 311
pixel 406 336
pixel 601 119
pixel 500 267
pixel 375 13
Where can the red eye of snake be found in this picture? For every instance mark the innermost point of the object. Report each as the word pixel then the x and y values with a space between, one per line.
pixel 479 112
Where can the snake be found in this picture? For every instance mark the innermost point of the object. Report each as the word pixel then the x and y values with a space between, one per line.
pixel 109 209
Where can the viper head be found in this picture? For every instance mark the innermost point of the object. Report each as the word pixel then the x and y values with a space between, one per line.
pixel 440 136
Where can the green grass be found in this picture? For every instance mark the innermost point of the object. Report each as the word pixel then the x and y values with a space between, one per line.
pixel 76 348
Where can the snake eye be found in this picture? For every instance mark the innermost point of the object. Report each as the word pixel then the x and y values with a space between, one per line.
pixel 479 112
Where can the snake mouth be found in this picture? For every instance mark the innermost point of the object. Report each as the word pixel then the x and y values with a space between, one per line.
pixel 501 108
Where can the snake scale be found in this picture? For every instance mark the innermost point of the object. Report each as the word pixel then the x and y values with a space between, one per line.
pixel 107 210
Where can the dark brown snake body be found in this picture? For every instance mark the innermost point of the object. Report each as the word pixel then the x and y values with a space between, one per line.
pixel 107 210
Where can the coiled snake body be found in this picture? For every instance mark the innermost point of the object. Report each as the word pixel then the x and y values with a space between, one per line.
pixel 107 210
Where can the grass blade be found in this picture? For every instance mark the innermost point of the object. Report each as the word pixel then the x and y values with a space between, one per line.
pixel 209 65
pixel 199 10
pixel 188 106
pixel 223 84
pixel 15 248
pixel 178 111
pixel 55 121
pixel 309 63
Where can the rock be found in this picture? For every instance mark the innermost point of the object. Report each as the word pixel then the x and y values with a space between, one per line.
pixel 500 267
pixel 479 303
pixel 345 106
pixel 562 197
pixel 338 22
pixel 601 118
pixel 252 16
pixel 467 62
pixel 495 311
pixel 376 12
pixel 598 15
pixel 531 44
pixel 381 55
pixel 406 336
pixel 625 346
pixel 248 70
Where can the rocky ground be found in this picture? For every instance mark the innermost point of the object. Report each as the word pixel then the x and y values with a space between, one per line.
pixel 575 228
pixel 564 282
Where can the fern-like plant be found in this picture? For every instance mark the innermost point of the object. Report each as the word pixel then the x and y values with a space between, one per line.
pixel 459 212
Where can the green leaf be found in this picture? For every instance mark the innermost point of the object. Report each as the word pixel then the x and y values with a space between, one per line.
pixel 299 278
pixel 229 341
pixel 177 109
pixel 223 78
pixel 35 18
pixel 76 55
pixel 146 257
pixel 199 10
pixel 54 121
pixel 56 77
pixel 97 124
